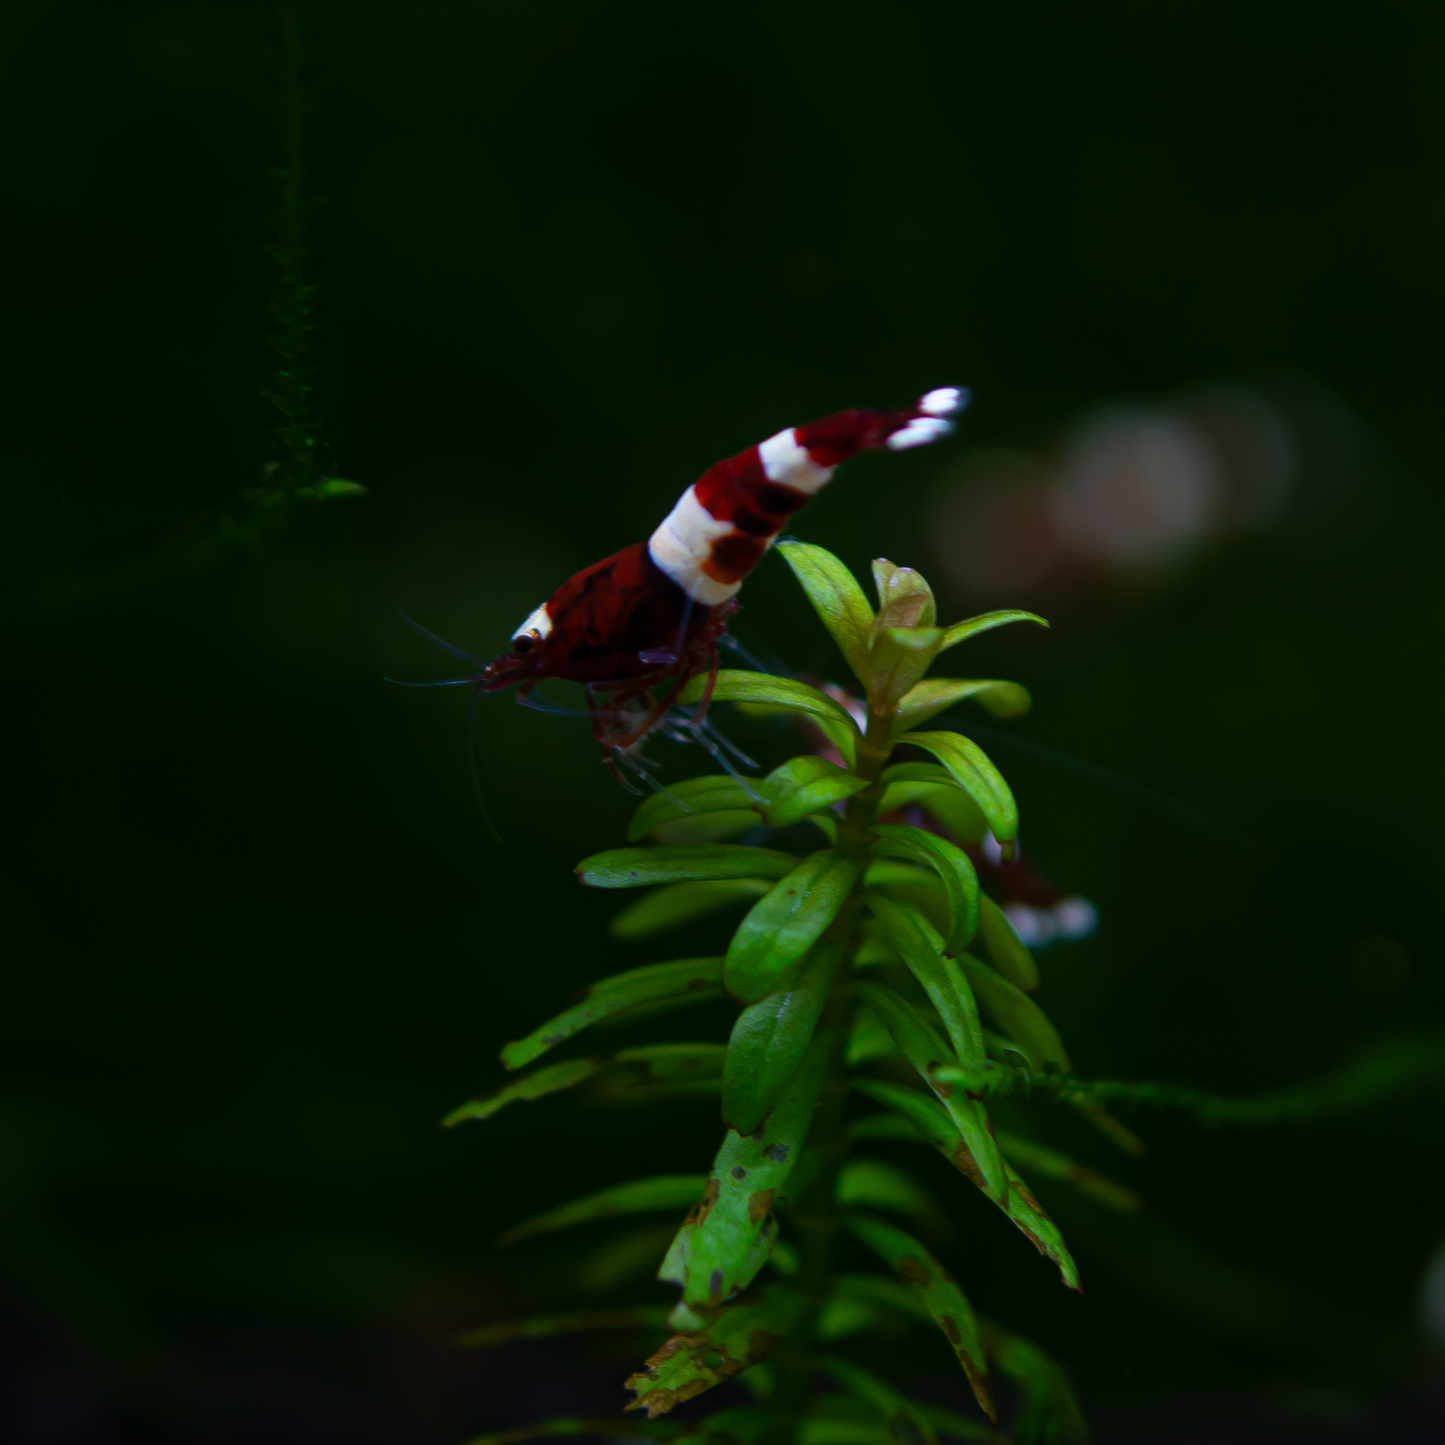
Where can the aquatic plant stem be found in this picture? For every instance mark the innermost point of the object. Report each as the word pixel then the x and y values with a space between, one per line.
pixel 815 1219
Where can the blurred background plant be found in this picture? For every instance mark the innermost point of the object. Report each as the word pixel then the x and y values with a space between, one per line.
pixel 1187 260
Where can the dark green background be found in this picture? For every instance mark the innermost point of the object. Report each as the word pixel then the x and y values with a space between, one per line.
pixel 258 938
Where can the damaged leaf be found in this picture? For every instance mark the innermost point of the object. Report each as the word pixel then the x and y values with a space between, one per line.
pixel 923 1049
pixel 936 1126
pixel 769 1039
pixel 656 983
pixel 837 598
pixel 973 771
pixel 723 1243
pixel 681 903
pixel 782 927
pixel 640 867
pixel 639 1196
pixel 740 1335
pixel 1006 949
pixel 943 1299
pixel 950 863
pixel 1048 1413
pixel 1034 1158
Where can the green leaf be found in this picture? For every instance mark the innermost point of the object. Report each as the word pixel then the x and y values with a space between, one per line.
pixel 806 785
pixel 904 598
pixel 532 1086
pixel 1034 1158
pixel 781 928
pixel 1005 948
pixel 868 1039
pixel 971 769
pixel 639 867
pixel 925 1051
pixel 837 598
pixel 943 1299
pixel 1048 1414
pixel 905 1421
pixel 640 1196
pixel 1017 1015
pixel 705 828
pixel 681 903
pixel 683 979
pixel 877 1184
pixel 910 782
pixel 935 694
pixel 904 640
pixel 739 1336
pixel 723 1242
pixel 942 979
pixel 714 793
pixel 939 1129
pixel 985 622
pixel 954 870
pixel 544 1326
pixel 769 1039
pixel 781 692
pixel 674 1062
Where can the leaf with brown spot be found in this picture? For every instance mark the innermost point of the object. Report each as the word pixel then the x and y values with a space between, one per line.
pixel 739 1335
pixel 932 1123
pixel 943 1299
pixel 721 1252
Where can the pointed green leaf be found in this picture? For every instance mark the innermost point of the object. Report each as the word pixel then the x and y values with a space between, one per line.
pixel 805 785
pixel 925 1051
pixel 739 1336
pixel 705 828
pixel 905 640
pixel 681 903
pixel 1006 949
pixel 869 1040
pixel 1034 1158
pixel 1017 1015
pixel 1049 1414
pixel 685 978
pixel 954 870
pixel 837 598
pixel 720 1254
pixel 904 1419
pixel 906 783
pixel 545 1326
pixel 944 1300
pixel 938 1128
pixel 942 979
pixel 714 793
pixel 640 1196
pixel 971 769
pixel 915 639
pixel 935 694
pixel 781 928
pixel 781 692
pixel 532 1086
pixel 672 1062
pixel 639 867
pixel 984 622
pixel 769 1039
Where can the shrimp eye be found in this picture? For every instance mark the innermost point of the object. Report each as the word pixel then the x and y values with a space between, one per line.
pixel 525 643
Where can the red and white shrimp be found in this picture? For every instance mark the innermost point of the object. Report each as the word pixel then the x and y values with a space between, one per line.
pixel 650 616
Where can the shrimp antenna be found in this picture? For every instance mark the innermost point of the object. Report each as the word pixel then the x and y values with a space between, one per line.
pixel 775 669
pixel 472 753
pixel 445 682
pixel 437 641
